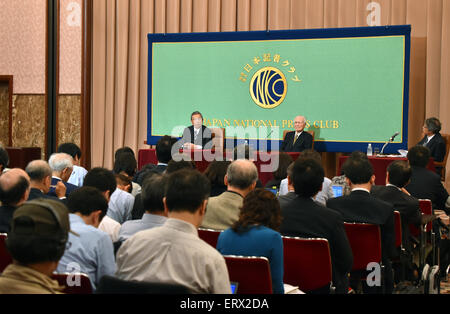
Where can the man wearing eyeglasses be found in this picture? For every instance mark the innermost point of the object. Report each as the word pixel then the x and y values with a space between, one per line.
pixel 197 136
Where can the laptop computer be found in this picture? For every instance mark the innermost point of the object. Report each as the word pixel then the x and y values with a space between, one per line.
pixel 234 287
pixel 338 190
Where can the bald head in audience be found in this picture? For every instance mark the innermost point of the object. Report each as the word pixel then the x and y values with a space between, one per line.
pixel 40 175
pixel 241 176
pixel 14 187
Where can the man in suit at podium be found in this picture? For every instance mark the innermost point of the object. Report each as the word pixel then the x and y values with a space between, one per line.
pixel 298 140
pixel 197 136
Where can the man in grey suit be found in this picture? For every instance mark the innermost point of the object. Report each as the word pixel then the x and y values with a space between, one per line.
pixel 223 210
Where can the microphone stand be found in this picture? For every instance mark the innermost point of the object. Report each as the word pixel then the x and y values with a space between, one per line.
pixel 385 144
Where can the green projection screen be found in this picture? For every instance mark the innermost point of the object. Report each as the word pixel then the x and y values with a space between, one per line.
pixel 351 84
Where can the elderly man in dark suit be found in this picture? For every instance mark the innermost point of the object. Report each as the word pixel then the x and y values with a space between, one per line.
pixel 361 206
pixel 62 166
pixel 14 191
pixel 40 175
pixel 197 136
pixel 298 140
pixel 303 217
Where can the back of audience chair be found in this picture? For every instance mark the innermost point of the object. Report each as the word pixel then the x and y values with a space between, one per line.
pixel 365 241
pixel 74 283
pixel 113 285
pixel 210 236
pixel 252 273
pixel 307 263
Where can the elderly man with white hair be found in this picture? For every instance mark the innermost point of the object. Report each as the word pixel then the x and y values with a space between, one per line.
pixel 62 166
pixel 298 140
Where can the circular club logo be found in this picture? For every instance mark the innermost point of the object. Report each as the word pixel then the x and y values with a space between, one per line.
pixel 268 87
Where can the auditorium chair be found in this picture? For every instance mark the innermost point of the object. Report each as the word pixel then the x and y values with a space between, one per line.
pixel 74 283
pixel 5 257
pixel 307 264
pixel 310 132
pixel 443 163
pixel 252 273
pixel 210 236
pixel 424 231
pixel 113 285
pixel 365 241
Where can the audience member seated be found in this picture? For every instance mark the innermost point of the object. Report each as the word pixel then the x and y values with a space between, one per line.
pixel 138 207
pixel 223 210
pixel 173 253
pixel 91 252
pixel 120 206
pixel 398 175
pixel 126 165
pixel 164 152
pixel 103 179
pixel 4 159
pixel 281 172
pixel 78 172
pixel 287 191
pixel 123 182
pixel 216 174
pixel 37 240
pixel 61 165
pixel 425 184
pixel 152 198
pixel 256 234
pixel 14 191
pixel 361 206
pixel 303 217
pixel 173 165
pixel 326 191
pixel 40 175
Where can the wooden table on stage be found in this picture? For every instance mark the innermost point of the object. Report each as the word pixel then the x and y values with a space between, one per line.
pixel 262 162
pixel 380 165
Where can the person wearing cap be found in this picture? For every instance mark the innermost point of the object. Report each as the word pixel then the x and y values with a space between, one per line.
pixel 93 249
pixel 36 242
pixel 14 191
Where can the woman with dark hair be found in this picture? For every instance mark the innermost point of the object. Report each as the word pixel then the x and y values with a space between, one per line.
pixel 215 173
pixel 256 233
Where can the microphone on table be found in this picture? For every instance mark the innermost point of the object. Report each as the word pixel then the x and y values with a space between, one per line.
pixel 390 141
pixel 269 134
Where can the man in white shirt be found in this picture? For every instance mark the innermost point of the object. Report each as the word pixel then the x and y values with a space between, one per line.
pixel 78 173
pixel 104 180
pixel 173 253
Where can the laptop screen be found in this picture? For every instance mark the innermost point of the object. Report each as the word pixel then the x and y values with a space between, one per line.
pixel 338 190
pixel 234 287
pixel 273 190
